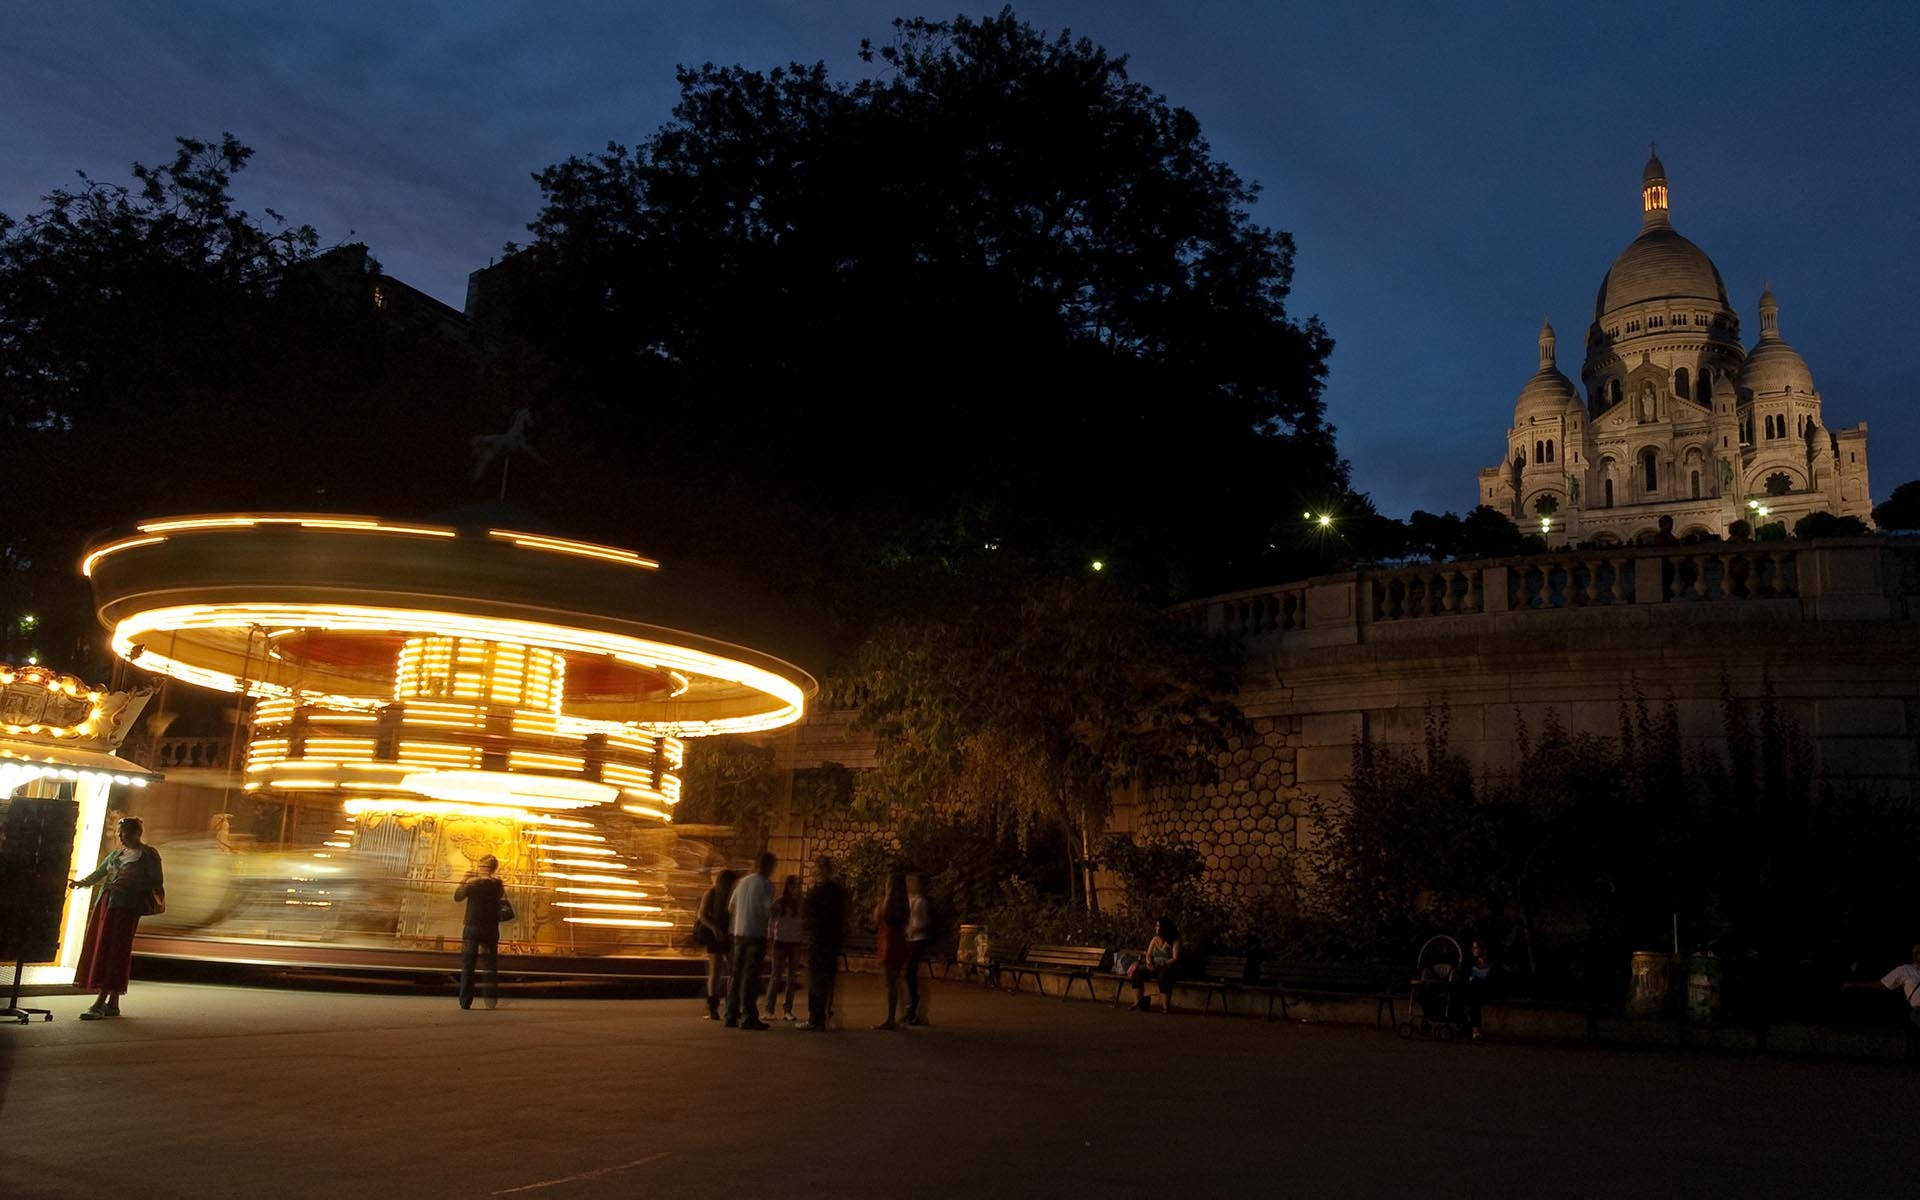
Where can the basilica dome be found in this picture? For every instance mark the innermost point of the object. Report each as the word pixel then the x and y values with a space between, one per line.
pixel 1660 264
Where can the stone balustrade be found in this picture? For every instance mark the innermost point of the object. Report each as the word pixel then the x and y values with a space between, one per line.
pixel 1844 579
pixel 179 753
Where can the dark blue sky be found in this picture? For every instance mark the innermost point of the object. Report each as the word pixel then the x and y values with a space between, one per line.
pixel 1450 172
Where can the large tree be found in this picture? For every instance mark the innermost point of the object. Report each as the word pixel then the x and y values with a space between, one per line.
pixel 161 351
pixel 995 293
pixel 1030 703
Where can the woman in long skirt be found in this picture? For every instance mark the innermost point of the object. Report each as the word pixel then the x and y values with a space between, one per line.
pixel 890 917
pixel 133 887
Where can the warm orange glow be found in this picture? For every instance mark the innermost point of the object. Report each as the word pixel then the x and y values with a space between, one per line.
pixel 301 520
pixel 86 564
pixel 150 627
pixel 537 541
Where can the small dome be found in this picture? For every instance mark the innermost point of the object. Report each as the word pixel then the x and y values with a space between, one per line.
pixel 1772 365
pixel 1655 172
pixel 1548 393
pixel 1659 265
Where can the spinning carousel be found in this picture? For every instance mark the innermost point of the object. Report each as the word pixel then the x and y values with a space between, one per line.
pixel 426 694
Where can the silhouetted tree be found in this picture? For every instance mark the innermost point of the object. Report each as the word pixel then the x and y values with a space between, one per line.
pixel 1825 524
pixel 163 351
pixel 1901 510
pixel 996 294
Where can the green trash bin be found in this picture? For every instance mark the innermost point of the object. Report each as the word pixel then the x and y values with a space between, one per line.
pixel 1703 987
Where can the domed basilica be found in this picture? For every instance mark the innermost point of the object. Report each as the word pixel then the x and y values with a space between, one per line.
pixel 1679 420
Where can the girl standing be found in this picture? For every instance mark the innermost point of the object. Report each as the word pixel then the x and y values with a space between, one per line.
pixel 134 887
pixel 788 937
pixel 890 915
pixel 711 932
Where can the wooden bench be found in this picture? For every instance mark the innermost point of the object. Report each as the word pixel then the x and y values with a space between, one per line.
pixel 1379 983
pixel 1065 962
pixel 865 945
pixel 1219 975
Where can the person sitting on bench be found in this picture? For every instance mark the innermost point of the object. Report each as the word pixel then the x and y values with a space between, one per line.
pixel 1159 966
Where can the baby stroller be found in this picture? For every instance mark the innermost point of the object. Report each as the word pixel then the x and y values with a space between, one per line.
pixel 1436 1006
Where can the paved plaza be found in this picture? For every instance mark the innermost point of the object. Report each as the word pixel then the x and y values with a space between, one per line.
pixel 207 1091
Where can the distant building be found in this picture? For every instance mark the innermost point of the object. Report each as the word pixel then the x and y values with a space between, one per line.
pixel 1679 420
pixel 350 270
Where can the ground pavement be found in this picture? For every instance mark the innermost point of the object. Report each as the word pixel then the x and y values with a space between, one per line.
pixel 205 1091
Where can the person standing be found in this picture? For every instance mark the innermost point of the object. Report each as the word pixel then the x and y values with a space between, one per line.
pixel 890 918
pixel 1905 979
pixel 826 914
pixel 752 909
pixel 480 931
pixel 710 928
pixel 919 941
pixel 135 886
pixel 1478 984
pixel 788 935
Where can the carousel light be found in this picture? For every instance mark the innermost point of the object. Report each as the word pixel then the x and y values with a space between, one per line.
pixel 516 790
pixel 149 626
pixel 554 545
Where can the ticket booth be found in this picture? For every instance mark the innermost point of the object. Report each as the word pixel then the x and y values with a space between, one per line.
pixel 59 780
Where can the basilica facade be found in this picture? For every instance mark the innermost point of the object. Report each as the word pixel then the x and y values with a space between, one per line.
pixel 1679 418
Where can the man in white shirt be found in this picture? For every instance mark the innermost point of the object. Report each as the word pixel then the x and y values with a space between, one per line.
pixel 752 906
pixel 1906 978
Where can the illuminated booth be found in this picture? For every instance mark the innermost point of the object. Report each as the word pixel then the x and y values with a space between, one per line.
pixel 430 694
pixel 58 772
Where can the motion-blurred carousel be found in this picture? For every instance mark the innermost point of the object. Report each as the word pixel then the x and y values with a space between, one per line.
pixel 426 695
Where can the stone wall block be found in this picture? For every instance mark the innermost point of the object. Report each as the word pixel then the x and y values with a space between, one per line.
pixel 1330 729
pixel 1860 718
pixel 1324 763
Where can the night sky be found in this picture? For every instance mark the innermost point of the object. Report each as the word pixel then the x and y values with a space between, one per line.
pixel 1450 173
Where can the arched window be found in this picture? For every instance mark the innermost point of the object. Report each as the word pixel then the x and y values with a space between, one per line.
pixel 1681 385
pixel 1696 485
pixel 1613 392
pixel 1539 452
pixel 1703 386
pixel 1549 449
pixel 1608 492
pixel 1650 470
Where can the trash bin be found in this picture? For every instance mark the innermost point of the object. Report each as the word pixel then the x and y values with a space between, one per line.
pixel 1647 993
pixel 1703 987
pixel 967 949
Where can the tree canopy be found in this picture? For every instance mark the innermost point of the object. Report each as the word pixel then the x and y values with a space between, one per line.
pixel 163 351
pixel 996 293
pixel 1031 704
pixel 1901 510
